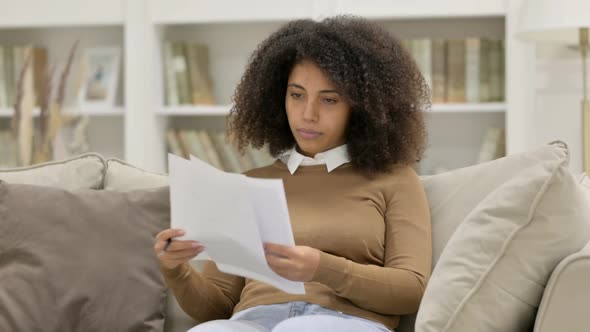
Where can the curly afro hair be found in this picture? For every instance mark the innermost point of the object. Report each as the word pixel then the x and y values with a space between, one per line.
pixel 378 78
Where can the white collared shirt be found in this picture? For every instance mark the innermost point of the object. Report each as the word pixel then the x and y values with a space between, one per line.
pixel 331 158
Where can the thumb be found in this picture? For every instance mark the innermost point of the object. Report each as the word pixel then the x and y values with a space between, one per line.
pixel 278 249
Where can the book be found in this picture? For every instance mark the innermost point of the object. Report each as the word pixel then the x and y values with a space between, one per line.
pixel 198 68
pixel 439 71
pixel 472 70
pixel 3 95
pixel 484 71
pixel 181 73
pixel 456 71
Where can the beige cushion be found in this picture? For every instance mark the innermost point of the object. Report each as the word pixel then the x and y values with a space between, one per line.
pixel 492 273
pixel 121 176
pixel 82 172
pixel 80 260
pixel 453 195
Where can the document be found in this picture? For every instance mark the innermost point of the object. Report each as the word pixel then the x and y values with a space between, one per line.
pixel 232 215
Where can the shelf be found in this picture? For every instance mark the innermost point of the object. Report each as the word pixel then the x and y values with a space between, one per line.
pixel 96 111
pixel 228 11
pixel 469 108
pixel 223 110
pixel 32 13
pixel 89 111
pixel 195 110
pixel 387 9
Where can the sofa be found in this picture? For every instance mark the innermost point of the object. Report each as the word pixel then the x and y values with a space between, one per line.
pixel 518 277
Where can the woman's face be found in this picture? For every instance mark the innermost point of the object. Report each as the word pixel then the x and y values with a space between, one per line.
pixel 318 114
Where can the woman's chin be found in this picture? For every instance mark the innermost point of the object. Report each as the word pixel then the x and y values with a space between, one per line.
pixel 309 150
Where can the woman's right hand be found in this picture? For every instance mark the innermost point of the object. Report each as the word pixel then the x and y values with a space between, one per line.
pixel 178 251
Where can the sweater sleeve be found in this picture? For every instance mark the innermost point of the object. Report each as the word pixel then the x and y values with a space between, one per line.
pixel 204 296
pixel 396 288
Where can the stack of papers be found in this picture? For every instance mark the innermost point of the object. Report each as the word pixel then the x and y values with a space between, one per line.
pixel 232 215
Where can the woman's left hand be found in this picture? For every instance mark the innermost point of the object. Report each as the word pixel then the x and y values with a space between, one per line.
pixel 298 263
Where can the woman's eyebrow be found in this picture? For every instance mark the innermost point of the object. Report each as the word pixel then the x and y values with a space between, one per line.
pixel 322 91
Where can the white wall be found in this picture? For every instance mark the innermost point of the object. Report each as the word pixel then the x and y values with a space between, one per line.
pixel 558 93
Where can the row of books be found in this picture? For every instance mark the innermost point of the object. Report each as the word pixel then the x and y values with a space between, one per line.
pixel 461 70
pixel 8 150
pixel 186 73
pixel 12 60
pixel 212 147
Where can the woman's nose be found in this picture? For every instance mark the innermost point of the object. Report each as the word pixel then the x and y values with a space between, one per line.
pixel 310 113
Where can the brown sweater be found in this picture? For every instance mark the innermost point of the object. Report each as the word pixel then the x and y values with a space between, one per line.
pixel 375 239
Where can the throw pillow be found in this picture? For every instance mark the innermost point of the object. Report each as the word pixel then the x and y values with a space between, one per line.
pixel 492 273
pixel 453 195
pixel 80 260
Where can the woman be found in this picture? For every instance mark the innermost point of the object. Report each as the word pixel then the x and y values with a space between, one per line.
pixel 340 103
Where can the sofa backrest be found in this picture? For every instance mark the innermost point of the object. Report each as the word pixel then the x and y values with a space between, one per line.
pixel 92 171
pixel 122 176
pixel 85 171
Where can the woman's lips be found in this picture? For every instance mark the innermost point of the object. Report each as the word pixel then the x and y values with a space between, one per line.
pixel 308 134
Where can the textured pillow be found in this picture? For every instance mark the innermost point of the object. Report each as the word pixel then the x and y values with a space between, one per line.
pixel 80 260
pixel 492 273
pixel 122 176
pixel 82 172
pixel 453 195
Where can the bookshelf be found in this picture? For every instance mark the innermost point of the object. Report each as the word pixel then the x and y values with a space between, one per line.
pixel 62 23
pixel 89 111
pixel 135 128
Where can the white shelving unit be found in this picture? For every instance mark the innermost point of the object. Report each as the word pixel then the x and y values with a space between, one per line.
pixel 56 25
pixel 135 129
pixel 223 110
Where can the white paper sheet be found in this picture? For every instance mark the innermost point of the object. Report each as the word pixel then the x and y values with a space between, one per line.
pixel 232 215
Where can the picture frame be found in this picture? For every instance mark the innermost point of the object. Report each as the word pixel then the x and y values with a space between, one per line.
pixel 100 76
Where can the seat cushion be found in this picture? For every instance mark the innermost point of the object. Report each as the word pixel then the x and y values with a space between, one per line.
pixel 80 260
pixel 81 172
pixel 494 268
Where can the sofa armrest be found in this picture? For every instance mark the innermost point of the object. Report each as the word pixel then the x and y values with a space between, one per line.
pixel 565 302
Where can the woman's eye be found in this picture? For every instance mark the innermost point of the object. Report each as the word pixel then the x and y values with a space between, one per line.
pixel 330 101
pixel 295 95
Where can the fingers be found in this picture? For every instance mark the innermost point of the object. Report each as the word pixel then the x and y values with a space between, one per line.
pixel 278 250
pixel 181 255
pixel 277 262
pixel 177 245
pixel 169 233
pixel 171 263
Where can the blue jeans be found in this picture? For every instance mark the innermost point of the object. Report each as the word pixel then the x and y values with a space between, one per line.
pixel 291 317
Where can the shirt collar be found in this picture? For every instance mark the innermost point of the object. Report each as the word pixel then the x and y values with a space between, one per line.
pixel 332 158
